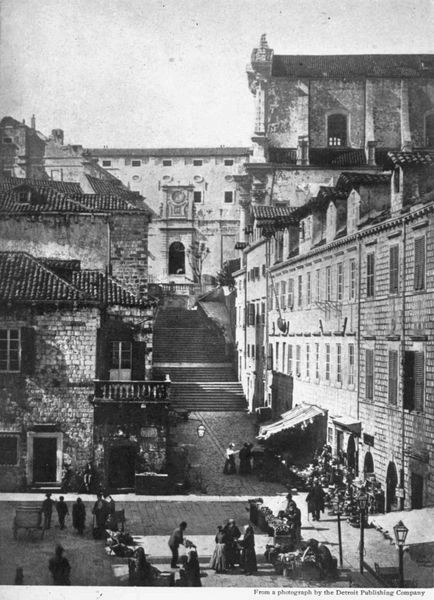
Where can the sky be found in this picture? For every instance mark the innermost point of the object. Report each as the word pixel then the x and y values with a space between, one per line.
pixel 165 73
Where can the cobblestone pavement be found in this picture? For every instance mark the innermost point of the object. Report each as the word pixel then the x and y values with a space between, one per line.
pixel 207 454
pixel 152 519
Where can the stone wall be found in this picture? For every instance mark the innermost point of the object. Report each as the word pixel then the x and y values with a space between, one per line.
pixel 64 236
pixel 129 251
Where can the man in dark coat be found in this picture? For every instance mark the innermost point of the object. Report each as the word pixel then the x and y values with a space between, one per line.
pixel 245 455
pixel 248 555
pixel 232 550
pixel 47 510
pixel 315 501
pixel 175 540
pixel 78 516
pixel 62 511
pixel 101 512
pixel 59 568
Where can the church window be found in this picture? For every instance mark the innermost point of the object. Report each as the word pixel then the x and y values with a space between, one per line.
pixel 106 163
pixel 337 130
pixel 197 197
pixel 136 163
pixel 197 162
pixel 229 162
pixel 167 163
pixel 176 259
pixel 229 197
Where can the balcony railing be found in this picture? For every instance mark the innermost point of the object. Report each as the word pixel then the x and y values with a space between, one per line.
pixel 125 391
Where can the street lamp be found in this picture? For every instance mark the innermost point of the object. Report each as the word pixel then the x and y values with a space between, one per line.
pixel 200 430
pixel 363 500
pixel 400 531
pixel 338 511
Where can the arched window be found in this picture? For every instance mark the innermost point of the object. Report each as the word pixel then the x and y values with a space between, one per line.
pixel 176 259
pixel 337 130
pixel 429 130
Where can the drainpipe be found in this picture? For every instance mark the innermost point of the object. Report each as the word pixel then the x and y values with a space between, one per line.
pixel 359 295
pixel 403 326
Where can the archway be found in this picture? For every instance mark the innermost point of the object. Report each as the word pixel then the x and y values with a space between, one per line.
pixel 176 259
pixel 351 453
pixel 368 465
pixel 391 483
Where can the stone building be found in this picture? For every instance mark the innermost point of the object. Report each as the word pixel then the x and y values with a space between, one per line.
pixel 336 178
pixel 193 192
pixel 26 152
pixel 75 337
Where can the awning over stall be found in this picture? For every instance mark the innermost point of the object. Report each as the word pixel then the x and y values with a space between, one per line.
pixel 303 413
pixel 349 424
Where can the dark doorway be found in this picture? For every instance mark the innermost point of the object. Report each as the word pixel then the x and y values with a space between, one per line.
pixel 416 491
pixel 44 459
pixel 351 453
pixel 121 467
pixel 391 483
pixel 368 466
pixel 339 440
pixel 176 259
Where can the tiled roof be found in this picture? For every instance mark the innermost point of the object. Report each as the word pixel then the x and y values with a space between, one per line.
pixel 410 159
pixel 353 65
pixel 349 180
pixel 102 288
pixel 25 279
pixel 48 200
pixel 331 193
pixel 109 187
pixel 270 212
pixel 169 152
pixel 67 187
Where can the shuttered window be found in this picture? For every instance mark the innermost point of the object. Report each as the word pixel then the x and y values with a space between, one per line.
pixel 297 360
pixel 369 392
pixel 339 363
pixel 414 378
pixel 370 275
pixel 251 314
pixel 340 281
pixel 270 357
pixel 352 286
pixel 393 269
pixel 290 293
pixel 327 365
pixel 329 283
pixel 307 360
pixel 317 361
pixel 290 359
pixel 308 290
pixel 419 263
pixel 283 295
pixel 300 291
pixel 393 376
pixel 9 450
pixel 350 364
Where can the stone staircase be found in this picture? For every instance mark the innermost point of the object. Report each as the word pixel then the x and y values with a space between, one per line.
pixel 188 348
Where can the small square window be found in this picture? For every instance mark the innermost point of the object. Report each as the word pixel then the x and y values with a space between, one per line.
pixel 106 163
pixel 167 163
pixel 229 197
pixel 136 163
pixel 229 162
pixel 197 162
pixel 7 140
pixel 8 450
pixel 197 197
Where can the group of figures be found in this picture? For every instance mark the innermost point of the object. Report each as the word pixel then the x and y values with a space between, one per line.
pixel 230 550
pixel 244 456
pixel 103 510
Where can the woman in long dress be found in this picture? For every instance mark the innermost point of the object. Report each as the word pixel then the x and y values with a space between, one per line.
pixel 218 560
pixel 248 554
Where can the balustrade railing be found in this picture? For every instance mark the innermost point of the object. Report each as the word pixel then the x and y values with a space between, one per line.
pixel 119 391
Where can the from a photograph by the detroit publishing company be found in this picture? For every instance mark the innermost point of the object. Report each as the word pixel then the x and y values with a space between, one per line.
pixel 216 297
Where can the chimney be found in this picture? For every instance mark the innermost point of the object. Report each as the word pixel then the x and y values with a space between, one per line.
pixel 57 136
pixel 371 154
pixel 33 122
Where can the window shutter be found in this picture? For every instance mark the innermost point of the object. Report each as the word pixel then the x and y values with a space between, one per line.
pixel 418 380
pixel 409 380
pixel 393 269
pixel 393 376
pixel 102 355
pixel 419 263
pixel 28 350
pixel 138 361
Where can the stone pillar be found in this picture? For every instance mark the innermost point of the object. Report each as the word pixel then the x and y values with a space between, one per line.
pixel 371 153
pixel 303 151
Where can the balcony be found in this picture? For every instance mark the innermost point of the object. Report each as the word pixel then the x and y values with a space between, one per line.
pixel 131 391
